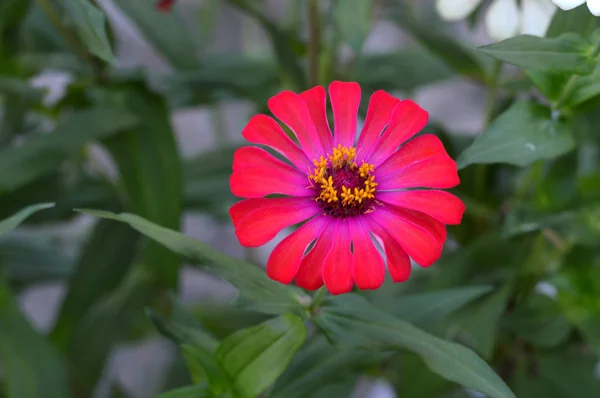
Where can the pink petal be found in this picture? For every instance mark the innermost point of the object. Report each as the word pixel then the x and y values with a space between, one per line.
pixel 345 101
pixel 406 121
pixel 251 156
pixel 381 106
pixel 369 269
pixel 259 181
pixel 292 111
pixel 310 274
pixel 441 205
pixel 337 268
pixel 263 130
pixel 261 225
pixel 420 236
pixel 316 102
pixel 285 259
pixel 398 261
pixel 422 162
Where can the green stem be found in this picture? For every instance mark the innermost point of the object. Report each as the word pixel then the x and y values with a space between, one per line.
pixel 572 82
pixel 314 42
pixel 318 298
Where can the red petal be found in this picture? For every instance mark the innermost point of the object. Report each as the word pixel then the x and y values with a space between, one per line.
pixel 345 100
pixel 381 106
pixel 337 268
pixel 165 5
pixel 316 102
pixel 420 236
pixel 285 259
pixel 422 162
pixel 310 274
pixel 263 130
pixel 251 156
pixel 261 225
pixel 292 111
pixel 406 121
pixel 369 269
pixel 398 261
pixel 259 181
pixel 441 205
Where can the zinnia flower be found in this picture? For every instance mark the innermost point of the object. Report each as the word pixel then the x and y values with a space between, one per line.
pixel 348 191
pixel 593 5
pixel 503 18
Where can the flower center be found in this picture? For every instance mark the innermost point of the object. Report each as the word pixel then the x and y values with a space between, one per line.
pixel 342 188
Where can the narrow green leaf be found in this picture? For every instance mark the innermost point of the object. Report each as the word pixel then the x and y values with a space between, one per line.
pixel 256 356
pixel 352 319
pixel 268 296
pixel 203 365
pixel 353 20
pixel 566 53
pixel 198 391
pixel 524 133
pixel 150 169
pixel 41 154
pixel 90 24
pixel 102 264
pixel 165 31
pixel 578 20
pixel 8 224
pixel 31 366
pixel 585 88
pixel 431 307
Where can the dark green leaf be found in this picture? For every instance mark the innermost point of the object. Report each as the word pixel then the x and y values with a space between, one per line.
pixel 350 318
pixel 585 88
pixel 566 53
pixel 526 132
pixel 255 357
pixel 31 366
pixel 268 296
pixel 165 31
pixel 412 378
pixel 102 264
pixel 549 84
pixel 578 20
pixel 150 168
pixel 90 25
pixel 8 224
pixel 41 154
pixel 353 20
pixel 203 365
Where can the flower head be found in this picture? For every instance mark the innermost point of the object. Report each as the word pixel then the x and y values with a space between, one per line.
pixel 504 18
pixel 347 191
pixel 593 5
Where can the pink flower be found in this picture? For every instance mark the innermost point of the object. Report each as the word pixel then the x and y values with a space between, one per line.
pixel 347 191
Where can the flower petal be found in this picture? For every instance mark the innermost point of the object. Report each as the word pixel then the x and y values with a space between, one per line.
pixel 369 269
pixel 594 7
pixel 502 19
pixel 381 106
pixel 292 111
pixel 284 261
pixel 568 4
pixel 422 162
pixel 252 156
pixel 398 262
pixel 406 121
pixel 345 100
pixel 420 236
pixel 263 130
pixel 261 225
pixel 536 16
pixel 441 205
pixel 338 265
pixel 310 274
pixel 316 102
pixel 272 177
pixel 455 10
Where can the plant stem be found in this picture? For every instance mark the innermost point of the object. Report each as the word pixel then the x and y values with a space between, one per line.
pixel 314 42
pixel 572 82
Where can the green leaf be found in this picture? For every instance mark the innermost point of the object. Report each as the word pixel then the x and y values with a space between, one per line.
pixel 353 20
pixel 412 378
pixel 39 155
pixel 427 308
pixel 584 89
pixel 102 264
pixel 19 97
pixel 566 53
pixel 268 296
pixel 150 169
pixel 203 365
pixel 524 133
pixel 578 20
pixel 8 224
pixel 90 25
pixel 351 319
pixel 198 391
pixel 165 31
pixel 31 366
pixel 255 357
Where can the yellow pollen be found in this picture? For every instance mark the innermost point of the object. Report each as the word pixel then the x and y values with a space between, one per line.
pixel 342 158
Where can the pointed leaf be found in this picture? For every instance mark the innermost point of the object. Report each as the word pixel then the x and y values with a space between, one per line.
pixel 90 24
pixel 7 225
